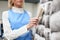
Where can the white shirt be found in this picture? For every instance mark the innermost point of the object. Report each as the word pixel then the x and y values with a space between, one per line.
pixel 8 32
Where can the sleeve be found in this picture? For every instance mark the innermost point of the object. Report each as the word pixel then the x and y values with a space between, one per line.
pixel 30 14
pixel 8 32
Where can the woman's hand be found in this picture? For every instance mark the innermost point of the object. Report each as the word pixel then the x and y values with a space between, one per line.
pixel 33 22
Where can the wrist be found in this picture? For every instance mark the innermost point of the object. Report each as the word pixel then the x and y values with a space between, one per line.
pixel 28 27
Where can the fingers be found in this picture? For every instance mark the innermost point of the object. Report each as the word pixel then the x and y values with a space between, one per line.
pixel 33 22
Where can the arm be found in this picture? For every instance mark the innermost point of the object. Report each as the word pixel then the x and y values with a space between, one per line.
pixel 8 32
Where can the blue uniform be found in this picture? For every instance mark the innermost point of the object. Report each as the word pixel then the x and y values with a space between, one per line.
pixel 18 20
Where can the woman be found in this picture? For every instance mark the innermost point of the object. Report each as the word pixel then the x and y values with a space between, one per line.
pixel 17 21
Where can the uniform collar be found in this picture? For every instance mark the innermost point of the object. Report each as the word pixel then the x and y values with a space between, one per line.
pixel 17 10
